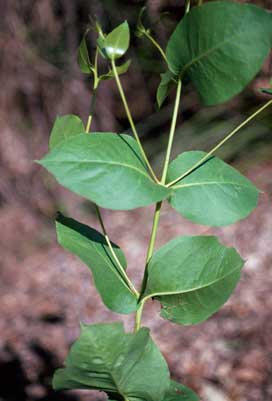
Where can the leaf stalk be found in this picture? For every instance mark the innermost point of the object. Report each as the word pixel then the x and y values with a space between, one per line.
pixel 213 150
pixel 130 119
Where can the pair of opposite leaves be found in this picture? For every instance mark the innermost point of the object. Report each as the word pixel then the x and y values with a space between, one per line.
pixel 212 46
pixel 88 368
pixel 123 365
pixel 108 168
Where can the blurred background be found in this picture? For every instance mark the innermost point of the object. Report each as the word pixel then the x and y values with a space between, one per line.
pixel 44 291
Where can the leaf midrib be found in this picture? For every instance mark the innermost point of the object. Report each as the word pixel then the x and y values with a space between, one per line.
pixel 212 183
pixel 206 53
pixel 111 265
pixel 103 162
pixel 191 289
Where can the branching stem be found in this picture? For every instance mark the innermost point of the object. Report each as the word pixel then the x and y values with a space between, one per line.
pixel 130 119
pixel 213 150
pixel 156 44
pixel 159 204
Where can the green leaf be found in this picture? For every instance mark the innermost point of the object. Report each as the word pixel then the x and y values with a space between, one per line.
pixel 214 194
pixel 166 84
pixel 65 127
pixel 116 43
pixel 220 47
pixel 192 277
pixel 107 169
pixel 91 247
pixel 83 58
pixel 121 69
pixel 178 392
pixel 267 91
pixel 124 365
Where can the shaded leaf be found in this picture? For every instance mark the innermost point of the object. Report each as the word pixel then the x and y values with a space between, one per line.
pixel 83 58
pixel 91 247
pixel 192 277
pixel 121 364
pixel 220 47
pixel 178 392
pixel 107 169
pixel 121 69
pixel 214 194
pixel 65 127
pixel 166 84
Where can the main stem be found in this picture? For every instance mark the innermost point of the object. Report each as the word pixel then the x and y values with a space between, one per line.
pixel 157 213
pixel 124 100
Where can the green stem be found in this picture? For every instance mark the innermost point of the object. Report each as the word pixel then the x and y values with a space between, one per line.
pixel 113 253
pixel 119 85
pixel 120 267
pixel 187 6
pixel 95 86
pixel 172 133
pixel 157 213
pixel 156 44
pixel 230 135
pixel 138 317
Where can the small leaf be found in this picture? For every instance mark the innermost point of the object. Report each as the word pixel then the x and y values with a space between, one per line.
pixel 192 277
pixel 121 69
pixel 140 29
pixel 166 84
pixel 91 247
pixel 267 91
pixel 116 42
pixel 107 169
pixel 83 58
pixel 64 128
pixel 124 365
pixel 178 392
pixel 220 47
pixel 214 194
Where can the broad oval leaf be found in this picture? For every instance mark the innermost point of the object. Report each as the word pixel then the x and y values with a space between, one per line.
pixel 83 58
pixel 116 43
pixel 124 365
pixel 65 127
pixel 91 247
pixel 192 277
pixel 220 47
pixel 213 194
pixel 107 169
pixel 179 392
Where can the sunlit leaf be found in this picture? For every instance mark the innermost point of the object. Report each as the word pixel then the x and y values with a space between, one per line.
pixel 106 168
pixel 214 194
pixel 192 277
pixel 116 43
